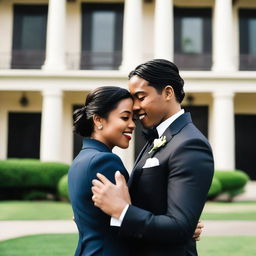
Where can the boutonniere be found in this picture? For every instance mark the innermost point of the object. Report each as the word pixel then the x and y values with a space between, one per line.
pixel 158 143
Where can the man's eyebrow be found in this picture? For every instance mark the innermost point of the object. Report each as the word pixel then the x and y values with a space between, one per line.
pixel 138 92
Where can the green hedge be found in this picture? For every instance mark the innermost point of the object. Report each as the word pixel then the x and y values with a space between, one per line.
pixel 230 183
pixel 63 187
pixel 232 180
pixel 21 176
pixel 215 188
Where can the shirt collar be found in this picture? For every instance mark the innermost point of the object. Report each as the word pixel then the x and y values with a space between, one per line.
pixel 165 124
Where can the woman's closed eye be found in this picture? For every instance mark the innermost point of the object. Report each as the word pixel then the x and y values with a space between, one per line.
pixel 125 118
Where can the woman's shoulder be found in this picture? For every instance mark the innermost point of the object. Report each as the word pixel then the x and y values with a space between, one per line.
pixel 107 158
pixel 108 163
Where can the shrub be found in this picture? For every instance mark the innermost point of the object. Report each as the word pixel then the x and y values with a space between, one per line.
pixel 35 195
pixel 63 187
pixel 20 176
pixel 232 182
pixel 215 188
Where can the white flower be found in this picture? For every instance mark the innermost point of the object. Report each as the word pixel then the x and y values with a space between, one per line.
pixel 158 143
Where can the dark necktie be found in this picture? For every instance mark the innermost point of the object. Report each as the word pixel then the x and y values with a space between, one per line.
pixel 150 134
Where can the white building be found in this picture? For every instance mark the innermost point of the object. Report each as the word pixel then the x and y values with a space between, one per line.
pixel 53 52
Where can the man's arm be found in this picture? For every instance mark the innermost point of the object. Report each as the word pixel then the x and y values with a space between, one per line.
pixel 190 175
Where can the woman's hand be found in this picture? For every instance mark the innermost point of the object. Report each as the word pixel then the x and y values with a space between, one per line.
pixel 198 230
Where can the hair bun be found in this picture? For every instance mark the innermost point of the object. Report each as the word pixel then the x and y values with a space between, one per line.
pixel 83 109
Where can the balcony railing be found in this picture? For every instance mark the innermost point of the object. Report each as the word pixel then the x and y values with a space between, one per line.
pixel 27 59
pixel 94 60
pixel 24 59
pixel 193 61
pixel 247 62
pixel 109 61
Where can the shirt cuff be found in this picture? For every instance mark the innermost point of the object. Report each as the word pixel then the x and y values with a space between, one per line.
pixel 118 222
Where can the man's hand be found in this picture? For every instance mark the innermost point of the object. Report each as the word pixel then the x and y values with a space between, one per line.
pixel 198 231
pixel 111 198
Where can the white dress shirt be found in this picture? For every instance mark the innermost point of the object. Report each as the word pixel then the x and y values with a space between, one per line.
pixel 160 129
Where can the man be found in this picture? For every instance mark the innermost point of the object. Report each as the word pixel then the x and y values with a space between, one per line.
pixel 172 174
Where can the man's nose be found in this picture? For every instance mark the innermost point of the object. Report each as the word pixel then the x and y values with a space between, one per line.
pixel 136 106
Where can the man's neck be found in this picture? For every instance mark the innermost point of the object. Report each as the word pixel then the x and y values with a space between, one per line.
pixel 166 123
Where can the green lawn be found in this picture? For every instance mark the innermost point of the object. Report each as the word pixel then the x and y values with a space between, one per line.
pixel 65 244
pixel 26 210
pixel 47 210
pixel 229 216
pixel 227 245
pixel 229 211
pixel 40 245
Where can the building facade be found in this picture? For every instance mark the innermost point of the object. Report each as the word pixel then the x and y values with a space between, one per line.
pixel 52 53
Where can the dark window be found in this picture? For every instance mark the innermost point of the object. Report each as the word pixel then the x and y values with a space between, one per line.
pixel 193 38
pixel 24 135
pixel 102 35
pixel 29 36
pixel 247 31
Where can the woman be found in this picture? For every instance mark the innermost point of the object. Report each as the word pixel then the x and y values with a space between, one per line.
pixel 105 121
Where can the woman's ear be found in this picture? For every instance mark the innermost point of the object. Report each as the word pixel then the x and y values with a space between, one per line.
pixel 98 122
pixel 168 92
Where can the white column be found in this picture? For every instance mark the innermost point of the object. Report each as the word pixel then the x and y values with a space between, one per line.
pixel 51 126
pixel 55 41
pixel 4 131
pixel 6 28
pixel 223 130
pixel 223 44
pixel 163 37
pixel 132 35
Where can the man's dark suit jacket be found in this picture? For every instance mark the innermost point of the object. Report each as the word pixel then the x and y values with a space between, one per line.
pixel 96 237
pixel 167 200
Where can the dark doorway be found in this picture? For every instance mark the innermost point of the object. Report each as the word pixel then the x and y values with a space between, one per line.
pixel 199 116
pixel 245 126
pixel 77 139
pixel 24 135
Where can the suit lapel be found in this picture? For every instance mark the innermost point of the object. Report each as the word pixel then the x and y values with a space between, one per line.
pixel 140 154
pixel 170 132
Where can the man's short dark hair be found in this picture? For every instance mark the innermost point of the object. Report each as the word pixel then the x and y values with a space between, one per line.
pixel 159 73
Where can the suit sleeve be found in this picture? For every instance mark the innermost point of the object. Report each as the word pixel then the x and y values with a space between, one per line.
pixel 189 178
pixel 107 164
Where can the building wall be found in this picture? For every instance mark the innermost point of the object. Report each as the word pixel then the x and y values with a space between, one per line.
pixel 74 84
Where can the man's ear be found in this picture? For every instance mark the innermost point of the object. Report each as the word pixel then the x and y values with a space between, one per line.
pixel 168 92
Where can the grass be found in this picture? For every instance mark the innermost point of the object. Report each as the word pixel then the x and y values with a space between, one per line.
pixel 227 245
pixel 40 245
pixel 26 210
pixel 48 210
pixel 65 244
pixel 229 211
pixel 229 216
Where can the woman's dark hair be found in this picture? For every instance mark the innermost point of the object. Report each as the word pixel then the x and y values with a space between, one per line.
pixel 101 101
pixel 160 73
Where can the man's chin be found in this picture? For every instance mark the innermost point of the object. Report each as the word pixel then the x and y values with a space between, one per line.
pixel 146 125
